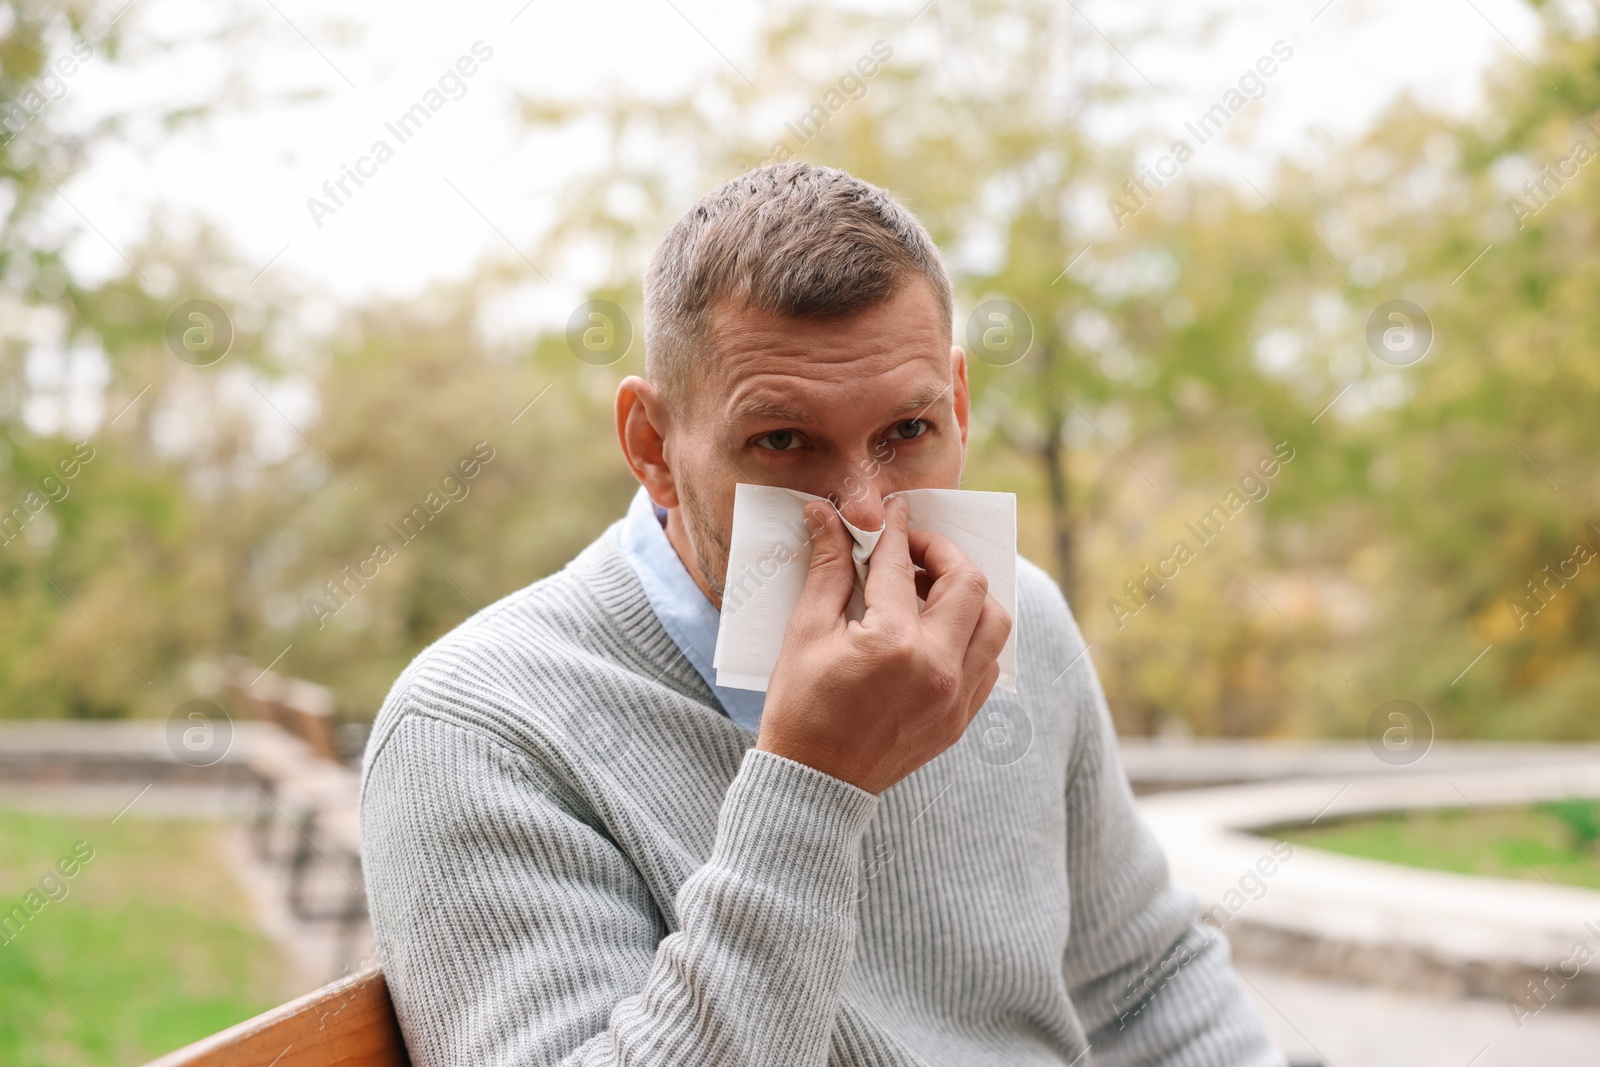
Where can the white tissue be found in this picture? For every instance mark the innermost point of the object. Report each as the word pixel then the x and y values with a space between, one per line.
pixel 770 556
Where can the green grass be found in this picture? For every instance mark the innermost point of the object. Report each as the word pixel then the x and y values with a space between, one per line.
pixel 1555 841
pixel 151 948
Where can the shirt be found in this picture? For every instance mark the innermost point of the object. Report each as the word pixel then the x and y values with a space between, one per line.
pixel 685 612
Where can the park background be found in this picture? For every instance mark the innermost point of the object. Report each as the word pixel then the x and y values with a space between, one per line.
pixel 1434 538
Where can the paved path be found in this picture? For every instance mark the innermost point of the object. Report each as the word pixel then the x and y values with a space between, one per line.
pixel 1157 764
pixel 1433 932
pixel 1340 1025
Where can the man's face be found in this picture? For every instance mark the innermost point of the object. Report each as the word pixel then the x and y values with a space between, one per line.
pixel 850 409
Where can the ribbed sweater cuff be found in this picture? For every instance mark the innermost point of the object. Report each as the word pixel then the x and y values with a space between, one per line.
pixel 793 829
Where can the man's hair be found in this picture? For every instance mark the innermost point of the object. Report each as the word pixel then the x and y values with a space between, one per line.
pixel 788 239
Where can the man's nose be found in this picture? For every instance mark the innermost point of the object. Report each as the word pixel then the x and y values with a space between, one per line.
pixel 862 506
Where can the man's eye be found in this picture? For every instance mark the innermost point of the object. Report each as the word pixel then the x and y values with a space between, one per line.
pixel 779 440
pixel 905 431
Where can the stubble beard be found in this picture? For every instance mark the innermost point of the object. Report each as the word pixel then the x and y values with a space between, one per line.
pixel 705 534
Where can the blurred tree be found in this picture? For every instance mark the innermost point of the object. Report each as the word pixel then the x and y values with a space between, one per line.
pixel 1473 471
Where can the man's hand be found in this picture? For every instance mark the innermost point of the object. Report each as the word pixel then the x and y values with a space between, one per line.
pixel 869 702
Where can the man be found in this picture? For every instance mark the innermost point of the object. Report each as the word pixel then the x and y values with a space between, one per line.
pixel 580 850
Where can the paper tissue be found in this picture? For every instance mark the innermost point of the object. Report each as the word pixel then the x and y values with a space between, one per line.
pixel 770 556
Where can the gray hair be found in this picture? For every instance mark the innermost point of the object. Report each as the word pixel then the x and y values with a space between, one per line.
pixel 789 239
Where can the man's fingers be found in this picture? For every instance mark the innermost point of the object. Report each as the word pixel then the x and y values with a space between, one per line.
pixel 988 638
pixel 891 582
pixel 832 576
pixel 986 684
pixel 956 589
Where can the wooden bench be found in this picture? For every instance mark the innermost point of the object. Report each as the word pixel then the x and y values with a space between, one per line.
pixel 349 1023
pixel 304 709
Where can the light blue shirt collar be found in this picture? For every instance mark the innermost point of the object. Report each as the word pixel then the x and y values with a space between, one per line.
pixel 685 612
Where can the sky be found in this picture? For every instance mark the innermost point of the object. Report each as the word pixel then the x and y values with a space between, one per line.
pixel 320 80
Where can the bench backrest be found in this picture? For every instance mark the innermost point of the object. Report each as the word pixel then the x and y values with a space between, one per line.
pixel 347 1024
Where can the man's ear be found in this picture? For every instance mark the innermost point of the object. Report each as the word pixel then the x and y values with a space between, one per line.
pixel 963 399
pixel 643 425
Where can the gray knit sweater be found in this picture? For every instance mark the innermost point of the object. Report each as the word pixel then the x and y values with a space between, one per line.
pixel 574 857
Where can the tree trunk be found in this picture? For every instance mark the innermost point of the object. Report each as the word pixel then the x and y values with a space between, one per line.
pixel 1053 452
